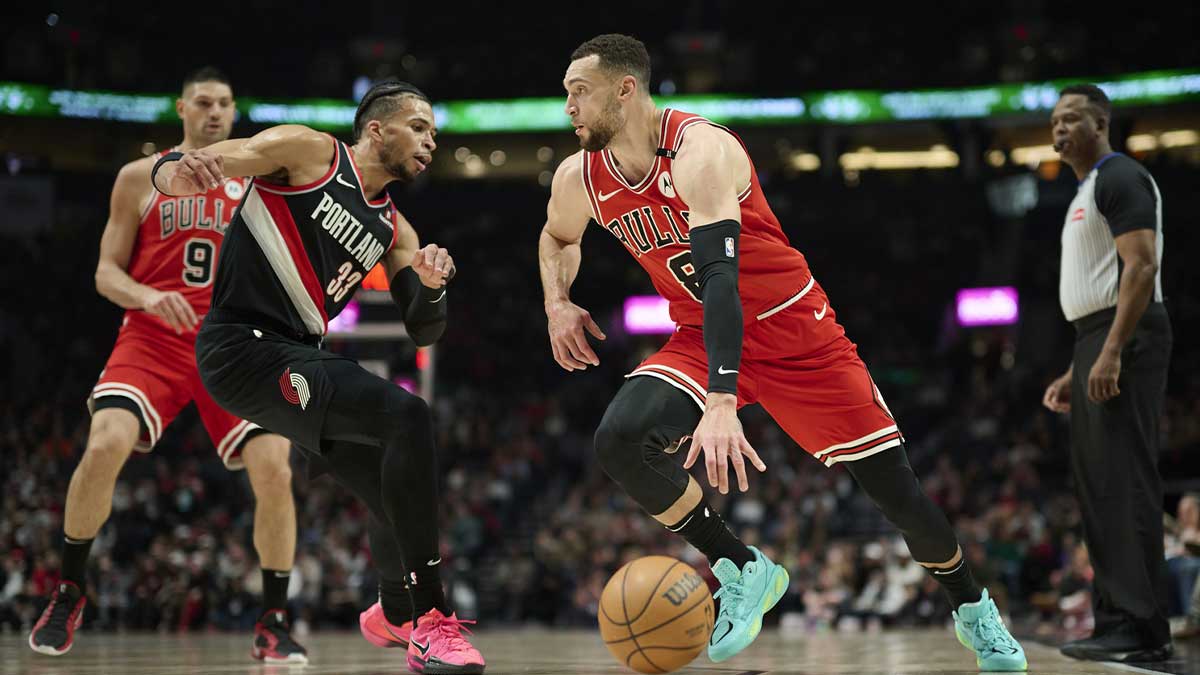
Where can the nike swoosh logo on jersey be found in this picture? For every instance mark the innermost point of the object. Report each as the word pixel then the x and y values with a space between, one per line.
pixel 605 197
pixel 821 314
pixel 723 371
pixel 433 563
pixel 339 179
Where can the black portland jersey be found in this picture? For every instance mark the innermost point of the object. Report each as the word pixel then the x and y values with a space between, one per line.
pixel 296 254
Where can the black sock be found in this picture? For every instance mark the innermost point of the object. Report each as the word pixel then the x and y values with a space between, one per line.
pixel 958 583
pixel 409 487
pixel 74 560
pixel 275 586
pixel 705 529
pixel 396 601
pixel 425 588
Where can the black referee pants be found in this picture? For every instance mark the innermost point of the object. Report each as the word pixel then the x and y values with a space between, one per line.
pixel 1114 456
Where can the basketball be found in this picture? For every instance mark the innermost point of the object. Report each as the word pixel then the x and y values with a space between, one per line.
pixel 656 614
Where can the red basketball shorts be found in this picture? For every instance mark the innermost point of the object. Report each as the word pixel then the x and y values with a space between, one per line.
pixel 155 370
pixel 798 363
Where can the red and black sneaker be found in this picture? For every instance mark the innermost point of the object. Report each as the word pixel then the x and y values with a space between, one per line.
pixel 54 633
pixel 273 641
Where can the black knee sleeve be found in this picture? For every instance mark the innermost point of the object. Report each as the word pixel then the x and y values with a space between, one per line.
pixel 889 481
pixel 356 467
pixel 645 418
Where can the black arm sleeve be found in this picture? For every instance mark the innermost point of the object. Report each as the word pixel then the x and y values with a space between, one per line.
pixel 715 257
pixel 424 307
pixel 1125 196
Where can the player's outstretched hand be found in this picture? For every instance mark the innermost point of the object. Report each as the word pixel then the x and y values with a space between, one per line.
pixel 433 265
pixel 566 323
pixel 719 435
pixel 171 307
pixel 196 172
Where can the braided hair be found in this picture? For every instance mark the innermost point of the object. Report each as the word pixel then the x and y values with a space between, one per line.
pixel 382 100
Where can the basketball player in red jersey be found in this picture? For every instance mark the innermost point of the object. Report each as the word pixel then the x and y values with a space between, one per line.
pixel 157 259
pixel 681 194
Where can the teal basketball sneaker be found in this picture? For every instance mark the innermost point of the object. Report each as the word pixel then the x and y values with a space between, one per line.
pixel 745 595
pixel 979 628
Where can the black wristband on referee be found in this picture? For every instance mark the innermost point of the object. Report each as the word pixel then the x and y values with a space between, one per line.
pixel 715 258
pixel 168 157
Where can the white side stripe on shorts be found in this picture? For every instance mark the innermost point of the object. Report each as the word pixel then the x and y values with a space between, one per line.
pixel 788 303
pixel 234 438
pixel 149 414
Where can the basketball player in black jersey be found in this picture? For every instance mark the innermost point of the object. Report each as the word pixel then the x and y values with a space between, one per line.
pixel 314 220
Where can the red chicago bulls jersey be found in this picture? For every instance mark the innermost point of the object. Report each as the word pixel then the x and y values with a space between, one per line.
pixel 651 221
pixel 179 239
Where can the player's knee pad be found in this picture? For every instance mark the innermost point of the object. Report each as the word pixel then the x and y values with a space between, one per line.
pixel 644 419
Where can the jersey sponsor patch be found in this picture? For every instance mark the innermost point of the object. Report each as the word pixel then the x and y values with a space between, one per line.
pixel 234 189
pixel 665 186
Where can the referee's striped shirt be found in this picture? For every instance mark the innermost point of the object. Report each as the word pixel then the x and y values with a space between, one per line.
pixel 1117 196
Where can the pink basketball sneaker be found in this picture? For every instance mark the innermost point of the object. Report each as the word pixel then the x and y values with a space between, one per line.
pixel 437 646
pixel 376 629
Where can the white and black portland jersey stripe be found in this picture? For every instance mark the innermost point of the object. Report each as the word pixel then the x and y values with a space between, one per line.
pixel 295 255
pixel 1116 197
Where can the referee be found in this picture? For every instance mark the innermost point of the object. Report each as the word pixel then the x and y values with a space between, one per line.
pixel 1112 245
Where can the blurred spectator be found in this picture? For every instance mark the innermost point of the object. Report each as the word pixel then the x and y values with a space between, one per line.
pixel 1182 546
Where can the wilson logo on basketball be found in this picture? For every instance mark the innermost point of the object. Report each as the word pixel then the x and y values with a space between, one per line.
pixel 680 590
pixel 294 388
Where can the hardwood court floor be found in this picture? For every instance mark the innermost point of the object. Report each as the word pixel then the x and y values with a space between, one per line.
pixel 530 652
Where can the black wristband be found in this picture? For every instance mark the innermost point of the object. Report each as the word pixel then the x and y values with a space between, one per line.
pixel 168 157
pixel 425 309
pixel 715 258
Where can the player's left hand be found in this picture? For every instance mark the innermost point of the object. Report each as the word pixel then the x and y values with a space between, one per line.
pixel 433 266
pixel 719 435
pixel 197 172
pixel 1102 379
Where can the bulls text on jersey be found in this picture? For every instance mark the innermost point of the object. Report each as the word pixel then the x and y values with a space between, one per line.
pixel 641 232
pixel 181 214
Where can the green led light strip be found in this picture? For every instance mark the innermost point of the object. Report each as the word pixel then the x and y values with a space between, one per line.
pixel 546 114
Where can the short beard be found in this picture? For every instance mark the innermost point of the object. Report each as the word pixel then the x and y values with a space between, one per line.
pixel 601 132
pixel 396 168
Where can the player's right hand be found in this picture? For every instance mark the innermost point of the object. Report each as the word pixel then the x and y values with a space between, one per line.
pixel 721 438
pixel 566 323
pixel 1058 394
pixel 196 172
pixel 171 307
